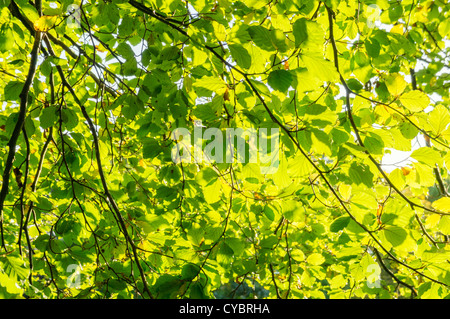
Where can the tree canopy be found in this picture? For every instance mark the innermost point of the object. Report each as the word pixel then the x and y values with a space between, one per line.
pixel 93 204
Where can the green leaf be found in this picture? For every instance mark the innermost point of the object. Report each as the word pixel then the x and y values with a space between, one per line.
pixel 408 130
pixel 339 136
pixel 190 271
pixel 444 223
pixel 261 37
pixel 224 255
pixel 4 3
pixel 6 38
pixel 395 13
pixel 168 287
pixel 254 4
pixel 69 118
pixel 240 55
pixel 212 192
pixel 197 291
pixel 280 80
pixel 169 53
pixel 293 211
pixel 360 174
pixel 48 11
pixel 151 149
pixel 261 87
pixel 339 224
pixel 361 59
pixel 300 31
pixel 269 213
pixel 278 40
pixel 374 144
pixel 372 47
pixel 439 119
pixel 14 267
pixel 46 67
pixel 30 12
pixel 354 85
pixel 12 90
pixel 321 142
pixel 41 242
pixel 48 117
pixel 395 235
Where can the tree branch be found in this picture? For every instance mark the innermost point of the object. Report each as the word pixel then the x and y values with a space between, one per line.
pixel 436 171
pixel 110 198
pixel 18 127
pixel 355 128
pixel 400 282
pixel 322 175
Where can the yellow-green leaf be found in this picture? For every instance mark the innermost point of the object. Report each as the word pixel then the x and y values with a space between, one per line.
pixel 395 84
pixel 315 259
pixel 44 23
pixel 444 224
pixel 442 204
pixel 415 101
pixel 427 155
pixel 211 83
pixel 320 67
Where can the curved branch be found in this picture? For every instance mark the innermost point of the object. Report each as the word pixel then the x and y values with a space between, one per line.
pixel 272 116
pixel 18 127
pixel 355 128
pixel 111 202
pixel 400 282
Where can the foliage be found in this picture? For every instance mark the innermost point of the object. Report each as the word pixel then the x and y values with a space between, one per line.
pixel 92 205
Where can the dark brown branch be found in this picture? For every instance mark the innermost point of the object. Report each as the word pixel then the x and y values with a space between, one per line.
pixel 400 282
pixel 349 113
pixel 289 261
pixel 322 175
pixel 355 128
pixel 274 281
pixel 111 201
pixel 388 105
pixel 170 22
pixel 314 16
pixel 91 73
pixel 18 127
pixel 432 36
pixel 436 170
pixel 24 186
pixel 22 212
pixel 15 11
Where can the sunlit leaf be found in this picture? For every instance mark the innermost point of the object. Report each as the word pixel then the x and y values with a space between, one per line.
pixel 224 150
pixel 415 101
pixel 44 23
